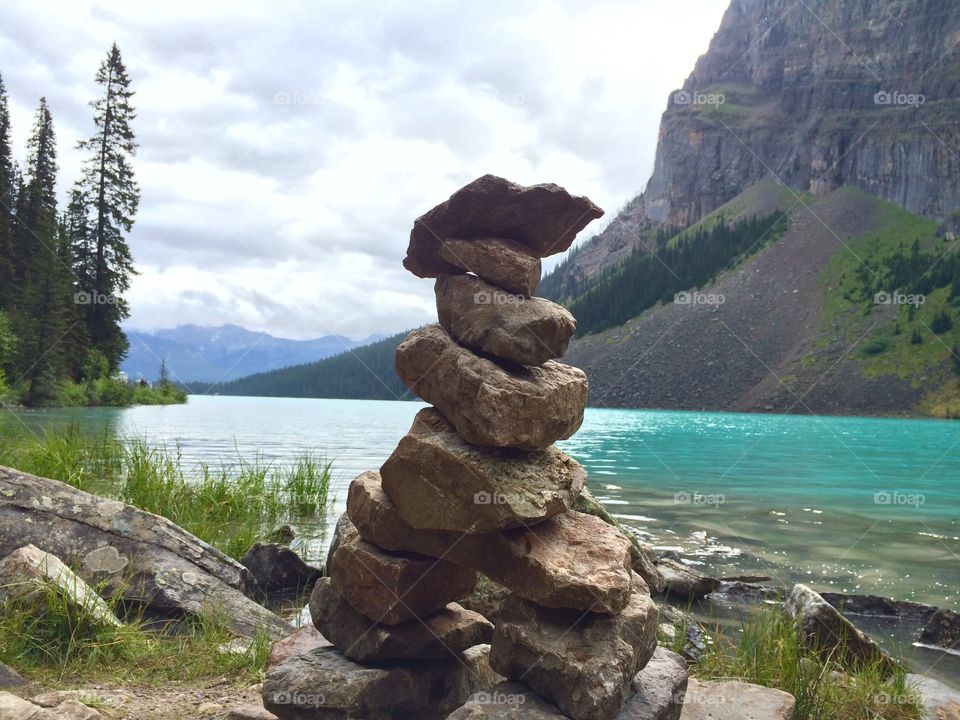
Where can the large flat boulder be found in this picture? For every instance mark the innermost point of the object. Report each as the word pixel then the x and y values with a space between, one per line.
pixel 829 632
pixel 326 685
pixel 582 662
pixel 521 329
pixel 572 560
pixel 504 263
pixel 942 629
pixel 394 587
pixel 490 403
pixel 507 700
pixel 28 575
pixel 440 636
pixel 735 700
pixel 438 481
pixel 543 218
pixel 151 561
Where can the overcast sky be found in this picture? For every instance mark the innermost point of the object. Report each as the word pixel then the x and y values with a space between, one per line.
pixel 287 147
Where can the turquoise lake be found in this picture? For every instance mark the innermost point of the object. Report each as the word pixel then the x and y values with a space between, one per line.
pixel 849 504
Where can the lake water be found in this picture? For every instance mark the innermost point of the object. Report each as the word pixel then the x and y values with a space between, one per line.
pixel 848 504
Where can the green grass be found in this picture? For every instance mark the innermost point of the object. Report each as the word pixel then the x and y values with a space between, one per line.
pixel 52 640
pixel 229 506
pixel 771 651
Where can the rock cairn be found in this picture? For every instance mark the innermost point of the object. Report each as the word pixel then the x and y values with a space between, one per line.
pixel 477 486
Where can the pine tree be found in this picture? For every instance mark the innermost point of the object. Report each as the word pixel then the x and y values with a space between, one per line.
pixel 7 203
pixel 915 337
pixel 941 322
pixel 43 307
pixel 109 184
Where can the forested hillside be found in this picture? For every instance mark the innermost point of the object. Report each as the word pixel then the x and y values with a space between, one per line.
pixel 366 372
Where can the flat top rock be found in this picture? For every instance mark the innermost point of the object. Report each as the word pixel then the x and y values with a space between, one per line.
pixel 543 218
pixel 735 700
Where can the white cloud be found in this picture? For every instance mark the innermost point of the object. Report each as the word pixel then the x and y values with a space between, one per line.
pixel 286 151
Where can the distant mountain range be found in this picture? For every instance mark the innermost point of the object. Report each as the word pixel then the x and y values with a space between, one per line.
pixel 220 354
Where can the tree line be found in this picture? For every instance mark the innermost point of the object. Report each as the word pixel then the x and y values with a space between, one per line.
pixel 678 262
pixel 63 270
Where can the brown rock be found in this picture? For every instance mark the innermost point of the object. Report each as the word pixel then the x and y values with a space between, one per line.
pixel 391 587
pixel 543 218
pixel 571 560
pixel 440 636
pixel 300 641
pixel 326 685
pixel 582 662
pixel 489 403
pixel 735 700
pixel 344 530
pixel 440 482
pixel 525 330
pixel 503 263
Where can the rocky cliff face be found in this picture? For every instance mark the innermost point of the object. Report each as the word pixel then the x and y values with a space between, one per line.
pixel 816 93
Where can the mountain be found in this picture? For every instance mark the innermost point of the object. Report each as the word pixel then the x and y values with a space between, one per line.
pixel 365 372
pixel 817 94
pixel 211 354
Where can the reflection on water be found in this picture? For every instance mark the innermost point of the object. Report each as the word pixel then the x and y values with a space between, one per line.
pixel 850 504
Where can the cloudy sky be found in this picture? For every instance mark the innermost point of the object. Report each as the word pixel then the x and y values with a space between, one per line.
pixel 286 147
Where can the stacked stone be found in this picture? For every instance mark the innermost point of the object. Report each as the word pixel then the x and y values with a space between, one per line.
pixel 478 486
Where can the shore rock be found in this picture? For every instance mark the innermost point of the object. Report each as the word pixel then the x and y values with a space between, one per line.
pixel 438 481
pixel 584 663
pixel 735 700
pixel 10 677
pixel 490 403
pixel 391 587
pixel 683 581
pixel 825 628
pixel 481 316
pixel 943 629
pixel 572 560
pixel 154 563
pixel 277 567
pixel 740 594
pixel 250 712
pixel 440 636
pixel 940 701
pixel 880 606
pixel 28 572
pixel 543 218
pixel 504 263
pixel 16 708
pixel 326 685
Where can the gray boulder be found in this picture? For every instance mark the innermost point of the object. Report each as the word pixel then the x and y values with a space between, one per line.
pixel 735 700
pixel 277 567
pixel 151 561
pixel 942 629
pixel 683 581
